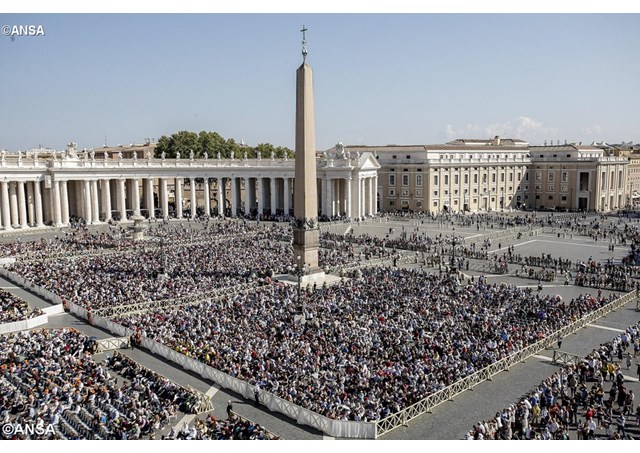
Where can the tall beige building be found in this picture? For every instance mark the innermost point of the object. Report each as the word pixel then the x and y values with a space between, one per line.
pixel 471 175
pixel 462 175
pixel 575 176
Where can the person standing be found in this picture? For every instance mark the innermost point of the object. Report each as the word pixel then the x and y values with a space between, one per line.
pixel 229 409
pixel 256 394
pixel 560 341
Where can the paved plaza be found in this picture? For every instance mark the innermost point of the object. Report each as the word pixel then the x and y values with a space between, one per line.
pixel 452 419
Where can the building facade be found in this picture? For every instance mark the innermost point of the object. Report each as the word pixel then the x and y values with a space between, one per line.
pixel 502 174
pixel 46 187
pixel 459 176
pixel 575 176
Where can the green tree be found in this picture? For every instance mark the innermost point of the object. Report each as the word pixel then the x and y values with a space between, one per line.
pixel 213 143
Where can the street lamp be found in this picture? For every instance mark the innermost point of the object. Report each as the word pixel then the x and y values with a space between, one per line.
pixel 298 271
pixel 453 250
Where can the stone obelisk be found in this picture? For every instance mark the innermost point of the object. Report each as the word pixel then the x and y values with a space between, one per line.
pixel 306 236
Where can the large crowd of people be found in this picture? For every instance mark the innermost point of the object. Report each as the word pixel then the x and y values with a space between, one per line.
pixel 574 399
pixel 49 379
pixel 13 308
pixel 371 346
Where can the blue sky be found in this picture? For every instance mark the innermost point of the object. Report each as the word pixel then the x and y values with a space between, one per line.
pixel 379 78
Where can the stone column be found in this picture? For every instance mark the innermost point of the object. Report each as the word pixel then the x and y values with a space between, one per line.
pixel 207 198
pixel 247 196
pixel 371 197
pixel 164 198
pixel 64 203
pixel 136 196
pixel 194 200
pixel 57 214
pixel 330 198
pixel 323 190
pixel 37 199
pixel 22 205
pixel 260 195
pixel 106 199
pixel 348 197
pixel 150 205
pixel 359 196
pixel 234 196
pixel 375 196
pixel 6 212
pixel 30 207
pixel 122 200
pixel 287 196
pixel 221 195
pixel 95 204
pixel 178 197
pixel 86 201
pixel 13 199
pixel 272 188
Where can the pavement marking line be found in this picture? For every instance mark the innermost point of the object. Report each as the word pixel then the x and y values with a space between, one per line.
pixel 542 357
pixel 605 328
pixel 535 286
pixel 571 243
pixel 212 391
pixel 184 420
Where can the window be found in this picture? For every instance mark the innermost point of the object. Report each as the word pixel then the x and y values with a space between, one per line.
pixel 466 179
pixel 392 180
pixel 405 192
pixel 551 188
pixel 455 180
pixel 419 193
pixel 435 193
pixel 620 179
pixel 419 204
pixel 484 179
pixel 446 180
pixel 538 176
pixel 392 192
pixel 475 178
pixel 510 177
pixel 393 157
pixel 392 203
pixel 419 180
pixel 550 176
pixel 501 177
pixel 408 156
pixel 550 197
pixel 565 176
pixel 493 178
pixel 435 180
pixel 564 198
pixel 405 180
pixel 435 203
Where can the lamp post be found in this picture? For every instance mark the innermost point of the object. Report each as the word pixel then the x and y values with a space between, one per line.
pixel 453 250
pixel 298 271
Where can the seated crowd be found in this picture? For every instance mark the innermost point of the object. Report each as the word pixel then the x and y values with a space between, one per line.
pixel 13 308
pixel 49 378
pixel 370 346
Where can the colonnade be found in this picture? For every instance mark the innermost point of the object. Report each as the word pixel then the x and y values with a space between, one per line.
pixel 55 200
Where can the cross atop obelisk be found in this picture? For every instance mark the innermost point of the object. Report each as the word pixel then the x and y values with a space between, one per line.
pixel 304 44
pixel 306 236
